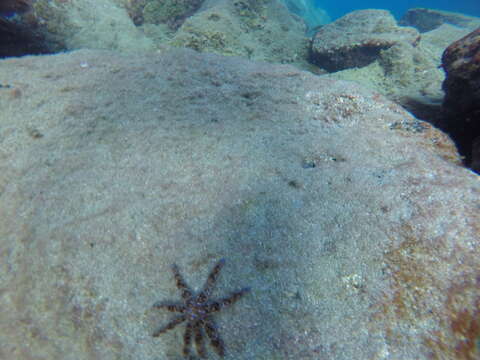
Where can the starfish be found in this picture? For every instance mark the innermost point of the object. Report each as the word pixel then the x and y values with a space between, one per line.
pixel 197 310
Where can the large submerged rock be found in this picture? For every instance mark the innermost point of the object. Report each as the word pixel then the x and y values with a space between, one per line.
pixel 350 220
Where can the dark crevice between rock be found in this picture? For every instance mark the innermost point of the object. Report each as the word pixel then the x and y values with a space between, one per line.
pixel 461 62
pixel 356 56
pixel 464 130
pixel 17 37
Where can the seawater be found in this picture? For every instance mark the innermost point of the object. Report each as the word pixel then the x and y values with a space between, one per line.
pixel 336 9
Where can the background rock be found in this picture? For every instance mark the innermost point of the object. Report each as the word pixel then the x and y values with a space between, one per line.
pixel 75 24
pixel 411 75
pixel 171 12
pixel 261 30
pixel 357 232
pixel 356 39
pixel 429 19
pixel 310 12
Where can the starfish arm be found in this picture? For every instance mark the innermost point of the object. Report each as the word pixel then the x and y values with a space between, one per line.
pixel 199 344
pixel 211 280
pixel 170 325
pixel 215 340
pixel 181 284
pixel 215 306
pixel 234 297
pixel 187 339
pixel 170 307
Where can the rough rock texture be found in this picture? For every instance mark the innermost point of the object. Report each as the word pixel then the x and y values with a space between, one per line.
pixel 461 62
pixel 349 219
pixel 356 39
pixel 429 19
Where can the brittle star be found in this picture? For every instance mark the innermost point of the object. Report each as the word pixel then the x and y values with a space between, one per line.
pixel 197 310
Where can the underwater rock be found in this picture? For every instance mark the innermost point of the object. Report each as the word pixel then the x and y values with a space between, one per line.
pixel 356 39
pixel 429 19
pixel 351 221
pixel 461 62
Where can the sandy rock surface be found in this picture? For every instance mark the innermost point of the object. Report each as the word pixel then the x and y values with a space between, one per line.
pixel 348 218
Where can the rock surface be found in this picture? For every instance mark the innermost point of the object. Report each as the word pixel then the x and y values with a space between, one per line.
pixel 356 39
pixel 429 19
pixel 349 219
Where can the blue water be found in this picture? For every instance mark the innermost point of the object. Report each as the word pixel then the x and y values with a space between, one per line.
pixel 337 8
